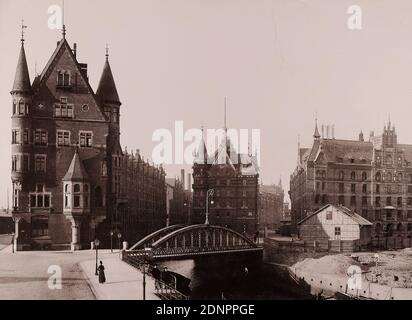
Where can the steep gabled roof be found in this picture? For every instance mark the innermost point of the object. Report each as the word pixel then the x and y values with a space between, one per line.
pixel 334 149
pixel 76 171
pixel 40 80
pixel 351 214
pixel 22 78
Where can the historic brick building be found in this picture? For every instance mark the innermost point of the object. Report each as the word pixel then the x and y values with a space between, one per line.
pixel 234 179
pixel 270 205
pixel 71 179
pixel 372 178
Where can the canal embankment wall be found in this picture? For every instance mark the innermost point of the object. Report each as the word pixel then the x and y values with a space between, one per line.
pixel 288 254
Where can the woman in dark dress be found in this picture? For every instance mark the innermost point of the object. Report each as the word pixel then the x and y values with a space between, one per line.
pixel 102 277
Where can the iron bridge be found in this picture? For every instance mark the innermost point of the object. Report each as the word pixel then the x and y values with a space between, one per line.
pixel 181 241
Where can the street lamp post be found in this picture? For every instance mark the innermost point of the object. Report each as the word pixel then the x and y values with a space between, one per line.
pixel 119 236
pixel 96 245
pixel 208 193
pixel 111 241
pixel 144 281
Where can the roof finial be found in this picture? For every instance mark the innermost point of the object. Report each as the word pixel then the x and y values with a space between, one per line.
pixel 63 25
pixel 22 31
pixel 316 134
pixel 225 127
pixel 107 52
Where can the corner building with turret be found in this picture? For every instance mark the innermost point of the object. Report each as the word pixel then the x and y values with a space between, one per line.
pixel 370 177
pixel 72 181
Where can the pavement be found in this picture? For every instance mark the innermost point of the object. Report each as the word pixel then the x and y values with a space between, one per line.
pixel 123 282
pixel 27 276
pixel 5 241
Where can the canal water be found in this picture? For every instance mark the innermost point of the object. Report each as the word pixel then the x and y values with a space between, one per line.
pixel 236 277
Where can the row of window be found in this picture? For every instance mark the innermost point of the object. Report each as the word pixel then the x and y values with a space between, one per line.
pixel 21 163
pixel 323 199
pixel 388 160
pixel 220 182
pixel 41 137
pixel 388 176
pixel 389 188
pixel 221 204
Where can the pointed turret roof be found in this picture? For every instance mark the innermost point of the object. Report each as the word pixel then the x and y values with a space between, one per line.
pixel 107 90
pixel 316 134
pixel 201 154
pixel 76 171
pixel 22 78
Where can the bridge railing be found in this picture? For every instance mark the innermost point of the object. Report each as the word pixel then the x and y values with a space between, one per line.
pixel 165 290
pixel 194 250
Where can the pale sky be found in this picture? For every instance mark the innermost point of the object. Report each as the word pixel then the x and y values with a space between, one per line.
pixel 279 62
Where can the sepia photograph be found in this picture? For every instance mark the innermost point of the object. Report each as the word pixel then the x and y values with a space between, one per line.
pixel 221 151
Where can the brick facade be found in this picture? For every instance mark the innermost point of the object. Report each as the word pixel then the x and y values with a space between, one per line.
pixel 372 178
pixel 53 117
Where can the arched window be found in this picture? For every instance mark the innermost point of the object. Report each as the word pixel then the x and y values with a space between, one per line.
pixel 341 175
pixel 400 177
pixel 378 176
pixel 353 175
pixel 388 201
pixel 67 188
pixel 389 159
pixel 399 202
pixel 364 176
pixel 389 177
pixel 409 201
pixel 410 178
pixel 98 197
pixel 76 188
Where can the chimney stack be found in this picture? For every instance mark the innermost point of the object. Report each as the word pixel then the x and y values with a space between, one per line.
pixel 327 131
pixel 323 131
pixel 182 177
pixel 333 131
pixel 189 182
